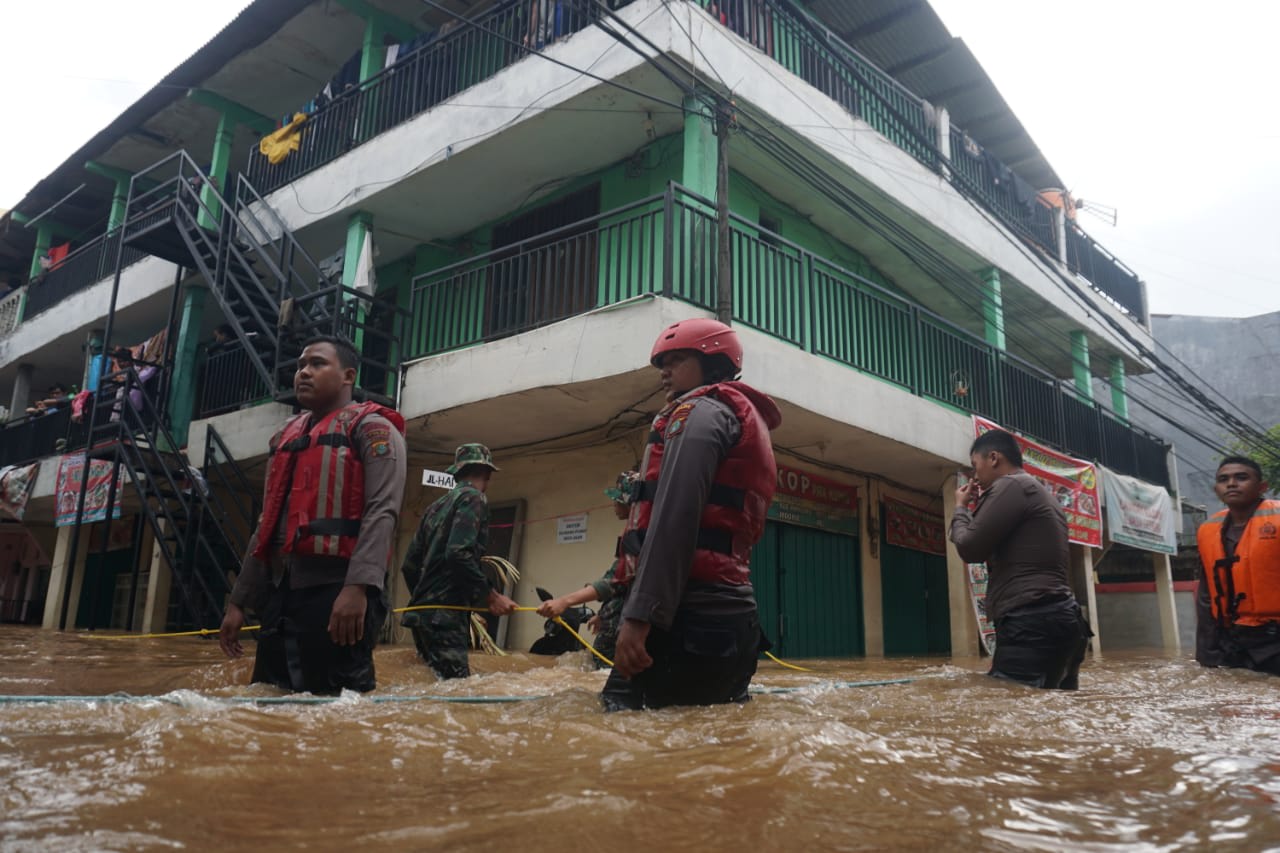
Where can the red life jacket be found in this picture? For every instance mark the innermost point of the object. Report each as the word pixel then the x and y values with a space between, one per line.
pixel 317 471
pixel 1244 590
pixel 734 516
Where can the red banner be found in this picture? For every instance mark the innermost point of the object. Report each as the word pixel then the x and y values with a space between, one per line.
pixel 67 490
pixel 812 501
pixel 908 526
pixel 1072 482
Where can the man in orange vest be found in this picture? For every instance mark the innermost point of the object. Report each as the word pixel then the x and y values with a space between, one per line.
pixel 317 562
pixel 1238 599
pixel 690 633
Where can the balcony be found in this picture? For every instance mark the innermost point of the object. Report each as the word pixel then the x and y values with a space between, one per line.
pixel 665 245
pixel 31 438
pixel 430 74
pixel 79 270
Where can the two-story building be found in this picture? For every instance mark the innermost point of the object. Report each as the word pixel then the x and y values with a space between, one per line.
pixel 501 208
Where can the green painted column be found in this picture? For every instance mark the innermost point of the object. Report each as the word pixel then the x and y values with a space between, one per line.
pixel 358 226
pixel 44 239
pixel 182 387
pixel 699 165
pixel 219 162
pixel 119 204
pixel 992 309
pixel 1119 394
pixel 373 54
pixel 1080 363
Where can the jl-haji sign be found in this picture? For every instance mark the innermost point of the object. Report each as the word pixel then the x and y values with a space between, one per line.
pixel 1072 482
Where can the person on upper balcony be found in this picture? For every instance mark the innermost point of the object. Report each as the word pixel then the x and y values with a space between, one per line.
pixel 1238 597
pixel 1007 519
pixel 316 566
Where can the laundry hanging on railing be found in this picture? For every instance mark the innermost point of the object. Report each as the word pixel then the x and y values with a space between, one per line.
pixel 280 144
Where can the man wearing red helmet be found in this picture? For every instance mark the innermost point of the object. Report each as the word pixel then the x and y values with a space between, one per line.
pixel 690 631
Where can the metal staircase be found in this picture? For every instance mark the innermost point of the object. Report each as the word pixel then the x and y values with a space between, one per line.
pixel 272 293
pixel 198 528
pixel 274 296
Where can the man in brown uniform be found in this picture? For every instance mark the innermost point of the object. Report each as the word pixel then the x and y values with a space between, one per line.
pixel 316 563
pixel 1018 529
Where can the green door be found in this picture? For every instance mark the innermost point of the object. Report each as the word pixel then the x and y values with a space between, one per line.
pixel 917 614
pixel 809 591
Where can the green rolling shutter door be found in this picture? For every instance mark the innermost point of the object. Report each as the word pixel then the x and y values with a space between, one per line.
pixel 809 591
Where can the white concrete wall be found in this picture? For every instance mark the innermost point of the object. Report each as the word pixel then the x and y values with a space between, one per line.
pixel 551 485
pixel 1131 620
pixel 245 431
pixel 617 340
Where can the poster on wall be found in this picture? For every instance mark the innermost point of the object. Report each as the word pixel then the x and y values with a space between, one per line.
pixel 67 490
pixel 908 526
pixel 810 500
pixel 1072 482
pixel 1139 514
pixel 977 573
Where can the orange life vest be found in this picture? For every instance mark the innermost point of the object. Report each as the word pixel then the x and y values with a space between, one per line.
pixel 322 479
pixel 1243 590
pixel 734 516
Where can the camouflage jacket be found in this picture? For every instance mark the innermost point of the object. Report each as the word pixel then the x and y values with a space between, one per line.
pixel 443 562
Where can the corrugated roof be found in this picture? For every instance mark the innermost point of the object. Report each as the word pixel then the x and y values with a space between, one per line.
pixel 907 40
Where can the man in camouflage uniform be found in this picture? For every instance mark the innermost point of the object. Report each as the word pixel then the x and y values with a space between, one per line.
pixel 611 593
pixel 443 566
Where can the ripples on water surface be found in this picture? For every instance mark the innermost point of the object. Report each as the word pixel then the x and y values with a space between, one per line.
pixel 1153 754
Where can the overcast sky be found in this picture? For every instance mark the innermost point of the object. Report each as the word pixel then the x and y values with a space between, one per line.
pixel 1169 116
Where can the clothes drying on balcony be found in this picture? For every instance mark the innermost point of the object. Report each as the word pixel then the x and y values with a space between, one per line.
pixel 280 144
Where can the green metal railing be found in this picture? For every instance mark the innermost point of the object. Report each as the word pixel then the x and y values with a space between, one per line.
pixel 666 245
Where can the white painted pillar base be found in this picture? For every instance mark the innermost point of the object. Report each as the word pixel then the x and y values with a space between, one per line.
pixel 965 641
pixel 1082 561
pixel 155 615
pixel 872 594
pixel 62 562
pixel 1166 603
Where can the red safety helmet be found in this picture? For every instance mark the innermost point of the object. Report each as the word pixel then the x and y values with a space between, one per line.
pixel 709 337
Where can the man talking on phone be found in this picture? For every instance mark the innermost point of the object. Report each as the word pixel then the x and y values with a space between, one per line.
pixel 1007 519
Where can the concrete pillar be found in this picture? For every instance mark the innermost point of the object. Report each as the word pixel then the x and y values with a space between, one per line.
pixel 1119 395
pixel 944 138
pixel 872 595
pixel 182 388
pixel 219 161
pixel 92 360
pixel 965 641
pixel 64 566
pixel 1080 364
pixel 1168 607
pixel 29 591
pixel 992 309
pixel 21 390
pixel 44 239
pixel 698 173
pixel 1083 583
pixel 155 615
pixel 1060 233
pixel 373 55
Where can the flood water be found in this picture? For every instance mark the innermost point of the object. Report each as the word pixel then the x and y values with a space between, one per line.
pixel 1153 753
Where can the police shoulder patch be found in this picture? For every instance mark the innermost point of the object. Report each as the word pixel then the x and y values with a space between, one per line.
pixel 379 438
pixel 675 423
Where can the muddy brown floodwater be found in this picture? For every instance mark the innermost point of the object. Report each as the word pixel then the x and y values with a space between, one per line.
pixel 1153 753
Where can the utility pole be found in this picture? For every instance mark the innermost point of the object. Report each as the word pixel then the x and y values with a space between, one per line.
pixel 724 266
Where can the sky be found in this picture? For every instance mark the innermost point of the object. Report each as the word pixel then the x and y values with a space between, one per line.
pixel 1163 114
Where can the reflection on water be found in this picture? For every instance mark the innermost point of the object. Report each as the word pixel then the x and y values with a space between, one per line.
pixel 1153 754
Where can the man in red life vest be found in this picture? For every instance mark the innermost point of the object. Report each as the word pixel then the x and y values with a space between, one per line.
pixel 316 564
pixel 1238 600
pixel 690 633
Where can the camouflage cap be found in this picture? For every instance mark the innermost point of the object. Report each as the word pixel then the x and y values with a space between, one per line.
pixel 626 489
pixel 471 454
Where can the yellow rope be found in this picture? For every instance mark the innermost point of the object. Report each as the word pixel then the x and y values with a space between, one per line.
pixel 204 632
pixel 770 656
